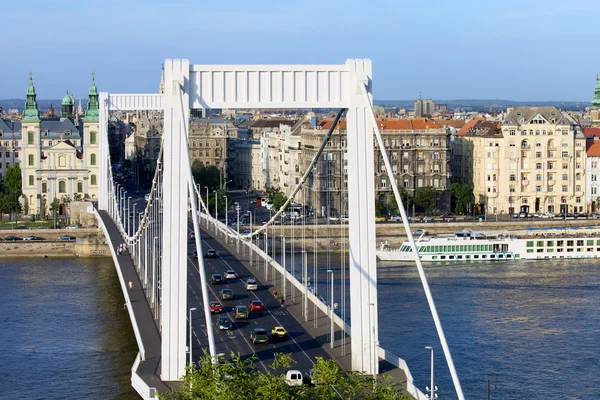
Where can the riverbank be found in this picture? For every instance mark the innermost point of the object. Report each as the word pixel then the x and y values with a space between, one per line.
pixel 88 243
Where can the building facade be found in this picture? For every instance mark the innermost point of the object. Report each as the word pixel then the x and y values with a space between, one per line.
pixel 595 113
pixel 544 156
pixel 59 158
pixel 592 173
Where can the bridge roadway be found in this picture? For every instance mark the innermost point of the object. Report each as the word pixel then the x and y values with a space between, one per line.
pixel 304 341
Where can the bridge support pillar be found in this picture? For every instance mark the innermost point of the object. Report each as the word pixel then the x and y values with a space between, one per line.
pixel 174 232
pixel 361 189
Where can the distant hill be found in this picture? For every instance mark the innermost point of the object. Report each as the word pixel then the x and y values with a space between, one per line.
pixel 43 105
pixel 476 104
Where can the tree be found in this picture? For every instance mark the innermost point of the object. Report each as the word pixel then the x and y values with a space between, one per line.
pixel 464 196
pixel 379 209
pixel 425 197
pixel 54 206
pixel 278 198
pixel 77 197
pixel 13 187
pixel 240 379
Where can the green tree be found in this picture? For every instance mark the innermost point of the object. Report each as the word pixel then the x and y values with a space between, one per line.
pixel 277 197
pixel 464 196
pixel 394 208
pixel 425 197
pixel 206 176
pixel 54 207
pixel 380 210
pixel 13 188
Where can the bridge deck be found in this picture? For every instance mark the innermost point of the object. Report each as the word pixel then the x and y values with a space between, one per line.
pixel 149 369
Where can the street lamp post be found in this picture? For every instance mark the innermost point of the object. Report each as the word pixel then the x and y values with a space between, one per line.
pixel 216 213
pixel 207 210
pixel 128 219
pixel 226 220
pixel 433 388
pixel 329 271
pixel 190 344
pixel 133 229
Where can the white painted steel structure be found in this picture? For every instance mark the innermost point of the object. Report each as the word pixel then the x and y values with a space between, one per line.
pixel 347 86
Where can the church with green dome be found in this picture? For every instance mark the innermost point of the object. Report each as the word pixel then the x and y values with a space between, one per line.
pixel 58 156
pixel 595 113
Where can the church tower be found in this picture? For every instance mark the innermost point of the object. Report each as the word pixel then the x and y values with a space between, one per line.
pixel 595 114
pixel 91 127
pixel 30 145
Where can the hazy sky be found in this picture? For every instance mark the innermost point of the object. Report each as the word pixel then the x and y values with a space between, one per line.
pixel 512 49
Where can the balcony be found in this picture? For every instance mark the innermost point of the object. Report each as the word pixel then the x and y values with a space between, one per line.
pixel 525 182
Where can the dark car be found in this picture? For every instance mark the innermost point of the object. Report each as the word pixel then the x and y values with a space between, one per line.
pixel 216 279
pixel 12 238
pixel 259 335
pixel 210 254
pixel 226 294
pixel 224 323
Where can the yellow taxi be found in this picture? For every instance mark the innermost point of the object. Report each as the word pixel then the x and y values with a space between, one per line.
pixel 279 331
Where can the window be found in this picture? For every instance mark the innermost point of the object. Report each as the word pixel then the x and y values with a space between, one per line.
pixel 578 200
pixel 513 132
pixel 80 187
pixel 538 188
pixel 565 189
pixel 538 177
pixel 565 177
pixel 538 165
pixel 93 180
pixel 44 187
pixel 550 188
pixel 578 176
pixel 538 154
pixel 62 187
pixel 593 178
pixel 92 159
pixel 29 137
pixel 594 190
pixel 595 164
pixel 31 181
pixel 512 178
pixel 565 154
pixel 30 159
pixel 92 137
pixel 578 188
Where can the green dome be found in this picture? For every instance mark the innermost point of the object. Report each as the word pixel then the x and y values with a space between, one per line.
pixel 67 100
pixel 596 99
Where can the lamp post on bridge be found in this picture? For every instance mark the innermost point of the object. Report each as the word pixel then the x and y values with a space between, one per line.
pixel 433 388
pixel 190 343
pixel 128 219
pixel 332 333
pixel 207 210
pixel 133 229
pixel 226 220
pixel 216 213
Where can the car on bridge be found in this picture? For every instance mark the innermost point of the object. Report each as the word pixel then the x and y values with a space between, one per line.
pixel 66 238
pixel 11 238
pixel 294 378
pixel 279 331
pixel 226 294
pixel 215 307
pixel 195 253
pixel 230 274
pixel 256 305
pixel 251 284
pixel 216 279
pixel 224 323
pixel 210 254
pixel 259 335
pixel 241 312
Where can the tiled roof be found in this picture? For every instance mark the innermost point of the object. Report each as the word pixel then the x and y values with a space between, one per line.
pixel 591 132
pixel 455 123
pixel 389 124
pixel 467 127
pixel 481 128
pixel 594 150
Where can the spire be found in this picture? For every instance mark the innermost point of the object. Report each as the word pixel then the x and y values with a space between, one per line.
pixel 596 100
pixel 79 108
pixel 92 112
pixel 31 112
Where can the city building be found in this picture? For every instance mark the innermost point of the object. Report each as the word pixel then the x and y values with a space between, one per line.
pixel 424 107
pixel 59 158
pixel 592 173
pixel 543 154
pixel 10 144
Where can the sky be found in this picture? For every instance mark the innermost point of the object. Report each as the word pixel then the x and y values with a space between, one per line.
pixel 523 50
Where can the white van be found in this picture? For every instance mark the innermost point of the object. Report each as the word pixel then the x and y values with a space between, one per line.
pixel 293 377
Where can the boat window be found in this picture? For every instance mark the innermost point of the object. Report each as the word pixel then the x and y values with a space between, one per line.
pixel 569 250
pixel 540 243
pixel 530 243
pixel 540 250
pixel 570 242
pixel 590 242
pixel 560 243
pixel 579 249
pixel 443 257
pixel 590 249
pixel 530 250
pixel 484 256
pixel 559 250
pixel 451 257
pixel 550 243
pixel 476 256
pixel 580 243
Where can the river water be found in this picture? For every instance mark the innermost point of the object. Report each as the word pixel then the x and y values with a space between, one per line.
pixel 532 328
pixel 63 331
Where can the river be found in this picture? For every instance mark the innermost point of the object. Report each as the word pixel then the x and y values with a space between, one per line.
pixel 531 327
pixel 63 331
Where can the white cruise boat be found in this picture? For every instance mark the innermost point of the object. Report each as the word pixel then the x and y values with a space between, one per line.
pixel 470 245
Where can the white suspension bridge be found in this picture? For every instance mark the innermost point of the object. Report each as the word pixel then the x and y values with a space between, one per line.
pixel 157 245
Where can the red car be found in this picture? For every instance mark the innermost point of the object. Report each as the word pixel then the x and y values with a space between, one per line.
pixel 215 307
pixel 256 305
